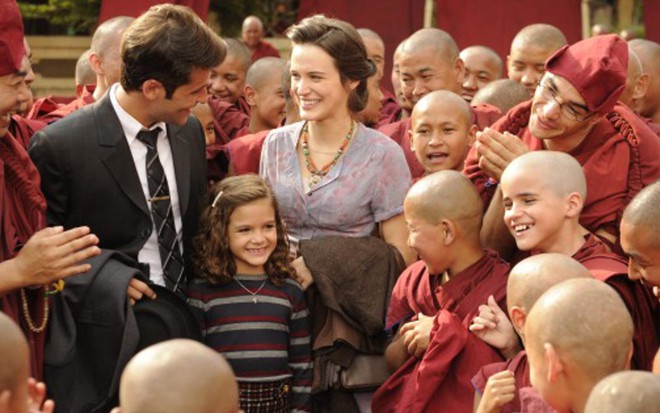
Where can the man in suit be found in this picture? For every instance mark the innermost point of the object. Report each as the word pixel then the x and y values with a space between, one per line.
pixel 131 166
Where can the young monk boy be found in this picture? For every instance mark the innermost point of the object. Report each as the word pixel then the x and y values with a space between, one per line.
pixel 502 93
pixel 498 385
pixel 441 131
pixel 577 333
pixel 204 115
pixel 433 354
pixel 626 391
pixel 263 92
pixel 228 78
pixel 543 195
pixel 178 376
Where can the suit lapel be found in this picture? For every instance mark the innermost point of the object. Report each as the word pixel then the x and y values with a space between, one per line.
pixel 180 146
pixel 115 153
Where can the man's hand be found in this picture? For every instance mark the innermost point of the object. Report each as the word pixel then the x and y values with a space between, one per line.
pixel 52 254
pixel 37 402
pixel 303 274
pixel 500 390
pixel 496 151
pixel 493 327
pixel 138 289
pixel 416 335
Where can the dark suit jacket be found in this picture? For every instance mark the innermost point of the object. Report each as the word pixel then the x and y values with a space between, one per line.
pixel 89 178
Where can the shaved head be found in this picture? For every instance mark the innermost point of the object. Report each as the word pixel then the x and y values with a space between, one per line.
pixel 486 53
pixel 439 41
pixel 396 79
pixel 626 391
pixel 375 48
pixel 239 51
pixel 108 35
pixel 577 333
pixel 540 35
pixel 502 93
pixel 636 82
pixel 644 211
pixel 368 33
pixel 203 380
pixel 14 368
pixel 439 99
pixel 252 21
pixel 265 70
pixel 533 276
pixel 649 54
pixel 428 199
pixel 558 171
pixel 84 73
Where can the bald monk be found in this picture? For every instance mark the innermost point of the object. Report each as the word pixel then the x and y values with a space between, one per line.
pixel 84 73
pixel 530 48
pixel 482 66
pixel 649 53
pixel 499 385
pixel 504 94
pixel 588 125
pixel 178 376
pixel 105 61
pixel 626 391
pixel 429 61
pixel 370 115
pixel 441 131
pixel 375 49
pixel 395 106
pixel 227 81
pixel 31 257
pixel 433 355
pixel 571 347
pixel 543 193
pixel 252 33
pixel 637 86
pixel 263 92
pixel 18 392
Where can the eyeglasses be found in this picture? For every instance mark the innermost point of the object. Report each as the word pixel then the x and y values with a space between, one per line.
pixel 570 110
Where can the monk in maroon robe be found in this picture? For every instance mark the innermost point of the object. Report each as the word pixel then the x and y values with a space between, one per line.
pixel 252 33
pixel 395 106
pixel 648 52
pixel 573 111
pixel 433 354
pixel 499 384
pixel 227 81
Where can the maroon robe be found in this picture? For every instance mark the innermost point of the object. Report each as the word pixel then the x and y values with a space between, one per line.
pixel 619 157
pixel 23 129
pixel 440 380
pixel 244 153
pixel 42 107
pixel 242 105
pixel 85 98
pixel 229 121
pixel 482 115
pixel 264 49
pixel 390 110
pixel 643 306
pixel 22 213
pixel 520 369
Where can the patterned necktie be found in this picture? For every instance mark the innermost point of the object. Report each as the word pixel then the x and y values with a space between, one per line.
pixel 161 211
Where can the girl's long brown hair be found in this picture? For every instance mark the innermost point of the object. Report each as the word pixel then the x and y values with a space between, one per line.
pixel 212 258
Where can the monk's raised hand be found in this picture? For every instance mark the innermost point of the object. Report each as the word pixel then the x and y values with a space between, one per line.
pixel 416 335
pixel 493 327
pixel 52 254
pixel 500 390
pixel 496 150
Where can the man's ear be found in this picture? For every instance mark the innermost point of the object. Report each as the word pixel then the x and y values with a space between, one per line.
pixel 95 63
pixel 153 90
pixel 472 135
pixel 412 140
pixel 574 204
pixel 518 317
pixel 448 231
pixel 459 69
pixel 250 95
pixel 554 363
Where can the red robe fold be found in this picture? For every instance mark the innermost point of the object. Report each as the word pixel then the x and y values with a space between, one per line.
pixel 245 153
pixel 242 105
pixel 482 115
pixel 22 213
pixel 86 98
pixel 440 381
pixel 619 156
pixel 23 129
pixel 390 110
pixel 264 49
pixel 643 306
pixel 520 369
pixel 229 121
pixel 42 107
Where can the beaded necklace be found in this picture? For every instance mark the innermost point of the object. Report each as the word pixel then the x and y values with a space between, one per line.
pixel 318 174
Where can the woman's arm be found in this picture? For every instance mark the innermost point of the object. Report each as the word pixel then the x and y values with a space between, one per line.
pixel 395 232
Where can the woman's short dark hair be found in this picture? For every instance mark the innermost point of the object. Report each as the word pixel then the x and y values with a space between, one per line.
pixel 343 43
pixel 165 44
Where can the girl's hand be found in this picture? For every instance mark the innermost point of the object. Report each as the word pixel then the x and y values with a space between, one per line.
pixel 303 274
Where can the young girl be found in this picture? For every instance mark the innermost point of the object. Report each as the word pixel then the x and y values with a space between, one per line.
pixel 250 309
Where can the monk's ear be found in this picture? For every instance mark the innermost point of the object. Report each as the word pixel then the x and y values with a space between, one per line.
pixel 95 63
pixel 116 410
pixel 472 135
pixel 153 90
pixel 5 400
pixel 448 231
pixel 641 87
pixel 459 68
pixel 518 316
pixel 629 358
pixel 250 95
pixel 574 204
pixel 412 140
pixel 554 363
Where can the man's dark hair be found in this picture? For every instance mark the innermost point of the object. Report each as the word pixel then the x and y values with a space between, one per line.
pixel 165 44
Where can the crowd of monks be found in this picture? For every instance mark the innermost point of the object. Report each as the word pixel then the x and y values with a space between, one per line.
pixel 534 212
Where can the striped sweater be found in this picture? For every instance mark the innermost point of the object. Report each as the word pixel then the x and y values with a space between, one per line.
pixel 267 340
